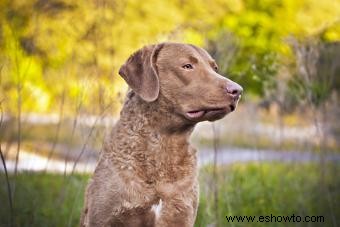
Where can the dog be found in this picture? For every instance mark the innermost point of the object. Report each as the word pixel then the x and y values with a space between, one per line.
pixel 147 170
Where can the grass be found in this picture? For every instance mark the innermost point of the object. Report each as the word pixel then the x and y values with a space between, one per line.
pixel 243 189
pixel 271 189
pixel 44 200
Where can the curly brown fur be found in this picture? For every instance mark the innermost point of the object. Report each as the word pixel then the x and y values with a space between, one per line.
pixel 147 171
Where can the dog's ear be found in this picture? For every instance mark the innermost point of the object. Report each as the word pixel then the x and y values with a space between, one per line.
pixel 140 72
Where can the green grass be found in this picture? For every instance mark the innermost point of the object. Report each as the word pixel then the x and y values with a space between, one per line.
pixel 270 189
pixel 243 189
pixel 43 200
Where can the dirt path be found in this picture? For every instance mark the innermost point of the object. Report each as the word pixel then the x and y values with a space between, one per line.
pixel 232 155
pixel 34 162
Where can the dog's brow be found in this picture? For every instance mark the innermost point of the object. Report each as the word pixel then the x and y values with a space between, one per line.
pixel 193 59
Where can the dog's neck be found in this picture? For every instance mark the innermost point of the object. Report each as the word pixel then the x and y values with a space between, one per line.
pixel 152 136
pixel 158 116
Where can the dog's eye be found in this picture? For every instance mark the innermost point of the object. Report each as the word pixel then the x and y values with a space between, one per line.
pixel 215 68
pixel 187 66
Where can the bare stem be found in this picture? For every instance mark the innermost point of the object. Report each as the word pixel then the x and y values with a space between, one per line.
pixel 9 191
pixel 56 136
pixel 74 126
pixel 215 174
pixel 102 114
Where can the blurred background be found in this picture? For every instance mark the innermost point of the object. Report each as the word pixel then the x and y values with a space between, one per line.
pixel 60 93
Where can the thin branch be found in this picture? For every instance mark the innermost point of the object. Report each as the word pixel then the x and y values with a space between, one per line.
pixel 19 103
pixel 215 174
pixel 21 77
pixel 74 126
pixel 56 136
pixel 88 137
pixel 9 191
pixel 81 186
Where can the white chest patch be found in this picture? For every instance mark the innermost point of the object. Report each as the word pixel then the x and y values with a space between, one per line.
pixel 157 209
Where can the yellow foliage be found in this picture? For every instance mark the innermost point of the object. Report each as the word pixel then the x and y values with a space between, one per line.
pixel 50 49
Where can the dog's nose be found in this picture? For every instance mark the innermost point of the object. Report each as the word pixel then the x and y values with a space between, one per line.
pixel 234 88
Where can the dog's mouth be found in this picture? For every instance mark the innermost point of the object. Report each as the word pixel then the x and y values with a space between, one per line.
pixel 210 112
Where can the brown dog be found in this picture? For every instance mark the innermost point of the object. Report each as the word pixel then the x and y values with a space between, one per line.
pixel 147 172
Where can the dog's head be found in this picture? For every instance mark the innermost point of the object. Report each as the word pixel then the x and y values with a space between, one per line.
pixel 184 75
